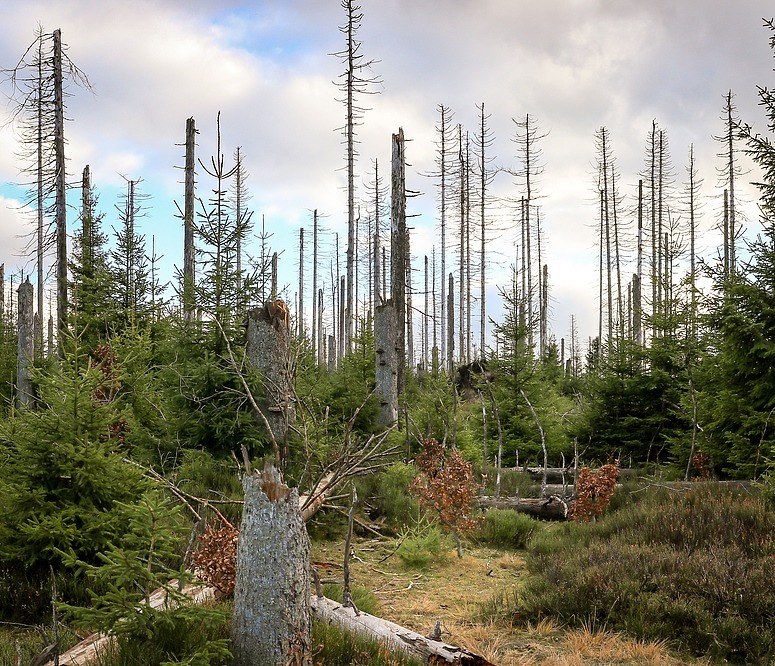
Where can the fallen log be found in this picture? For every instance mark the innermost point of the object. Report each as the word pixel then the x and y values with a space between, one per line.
pixel 553 474
pixel 549 508
pixel 394 636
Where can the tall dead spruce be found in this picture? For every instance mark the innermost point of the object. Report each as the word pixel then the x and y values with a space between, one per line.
pixel 354 82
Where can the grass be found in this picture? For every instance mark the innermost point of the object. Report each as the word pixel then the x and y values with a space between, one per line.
pixel 334 647
pixel 22 643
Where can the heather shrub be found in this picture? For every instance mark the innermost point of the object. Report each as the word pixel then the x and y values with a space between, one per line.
pixel 692 568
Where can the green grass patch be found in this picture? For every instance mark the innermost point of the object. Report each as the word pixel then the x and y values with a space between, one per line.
pixel 363 599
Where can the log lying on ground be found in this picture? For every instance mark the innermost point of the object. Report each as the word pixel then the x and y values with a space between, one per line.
pixel 550 508
pixel 394 636
pixel 553 474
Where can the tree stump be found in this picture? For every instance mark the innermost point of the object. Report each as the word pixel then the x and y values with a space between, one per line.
pixel 271 617
pixel 268 350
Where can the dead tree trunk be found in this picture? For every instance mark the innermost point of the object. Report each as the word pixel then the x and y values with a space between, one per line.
pixel 315 299
pixel 320 352
pixel 331 359
pixel 398 249
pixel 61 188
pixel 386 369
pixel 271 617
pixel 26 348
pixel 268 350
pixel 451 327
pixel 189 258
pixel 550 508
pixel 300 309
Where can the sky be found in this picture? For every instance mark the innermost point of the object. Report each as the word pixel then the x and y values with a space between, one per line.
pixel 573 65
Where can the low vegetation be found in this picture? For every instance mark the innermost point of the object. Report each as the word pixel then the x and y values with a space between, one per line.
pixel 689 568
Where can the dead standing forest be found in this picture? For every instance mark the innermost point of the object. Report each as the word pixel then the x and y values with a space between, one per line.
pixel 132 417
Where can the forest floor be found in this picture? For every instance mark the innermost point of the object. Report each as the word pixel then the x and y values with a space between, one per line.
pixel 467 596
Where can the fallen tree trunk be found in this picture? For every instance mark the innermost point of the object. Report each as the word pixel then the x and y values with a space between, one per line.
pixel 550 508
pixel 394 636
pixel 553 474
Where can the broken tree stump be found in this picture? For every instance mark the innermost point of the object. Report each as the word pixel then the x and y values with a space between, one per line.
pixel 268 351
pixel 271 617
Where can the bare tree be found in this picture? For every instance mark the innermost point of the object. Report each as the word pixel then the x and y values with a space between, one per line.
pixel 398 250
pixel 189 255
pixel 483 142
pixel 728 173
pixel 354 82
pixel 38 90
pixel 527 139
pixel 444 165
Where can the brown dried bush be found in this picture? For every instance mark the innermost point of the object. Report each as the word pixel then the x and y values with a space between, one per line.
pixel 215 559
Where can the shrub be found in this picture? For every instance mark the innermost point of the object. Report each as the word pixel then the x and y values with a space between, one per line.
pixel 692 568
pixel 507 529
pixel 594 490
pixel 446 487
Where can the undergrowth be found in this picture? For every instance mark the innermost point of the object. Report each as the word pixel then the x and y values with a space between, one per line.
pixel 694 568
pixel 335 647
pixel 504 528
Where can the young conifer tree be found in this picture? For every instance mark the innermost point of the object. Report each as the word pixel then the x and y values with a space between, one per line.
pixel 92 301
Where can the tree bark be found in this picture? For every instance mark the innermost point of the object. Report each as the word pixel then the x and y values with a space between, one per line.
pixel 398 256
pixel 61 187
pixel 386 370
pixel 189 258
pixel 271 617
